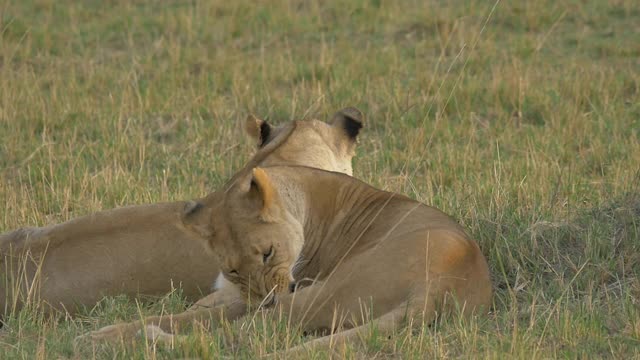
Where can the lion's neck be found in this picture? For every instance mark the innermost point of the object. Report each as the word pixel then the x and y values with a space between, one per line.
pixel 339 216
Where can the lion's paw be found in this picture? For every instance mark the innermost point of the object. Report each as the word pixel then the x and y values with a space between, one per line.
pixel 155 334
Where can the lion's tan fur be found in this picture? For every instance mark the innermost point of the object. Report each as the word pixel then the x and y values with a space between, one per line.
pixel 360 246
pixel 145 249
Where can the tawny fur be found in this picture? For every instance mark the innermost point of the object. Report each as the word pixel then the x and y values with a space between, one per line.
pixel 145 250
pixel 361 246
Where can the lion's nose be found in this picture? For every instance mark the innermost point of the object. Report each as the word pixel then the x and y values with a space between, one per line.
pixel 292 286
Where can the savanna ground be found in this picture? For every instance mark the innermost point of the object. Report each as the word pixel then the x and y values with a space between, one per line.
pixel 519 118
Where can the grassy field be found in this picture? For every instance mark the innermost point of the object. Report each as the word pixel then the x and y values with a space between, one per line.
pixel 519 118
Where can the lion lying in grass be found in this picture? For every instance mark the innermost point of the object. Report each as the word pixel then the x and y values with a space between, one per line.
pixel 276 227
pixel 145 249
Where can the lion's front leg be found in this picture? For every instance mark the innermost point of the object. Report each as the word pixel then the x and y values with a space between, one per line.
pixel 168 323
pixel 113 333
pixel 311 307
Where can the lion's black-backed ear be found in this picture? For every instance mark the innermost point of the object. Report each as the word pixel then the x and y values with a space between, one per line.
pixel 350 120
pixel 196 217
pixel 258 129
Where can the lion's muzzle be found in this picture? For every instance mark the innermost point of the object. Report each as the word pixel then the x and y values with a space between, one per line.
pixel 281 281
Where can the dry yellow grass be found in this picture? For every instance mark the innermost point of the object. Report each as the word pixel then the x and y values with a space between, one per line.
pixel 523 123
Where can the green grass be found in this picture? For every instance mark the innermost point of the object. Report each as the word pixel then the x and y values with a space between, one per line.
pixel 523 123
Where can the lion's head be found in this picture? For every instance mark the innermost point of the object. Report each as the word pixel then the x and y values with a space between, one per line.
pixel 256 240
pixel 253 234
pixel 328 146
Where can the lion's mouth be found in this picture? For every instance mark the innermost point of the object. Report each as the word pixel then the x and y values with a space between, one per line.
pixel 270 301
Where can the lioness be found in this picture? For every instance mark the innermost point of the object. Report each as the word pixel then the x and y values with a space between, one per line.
pixel 144 249
pixel 276 227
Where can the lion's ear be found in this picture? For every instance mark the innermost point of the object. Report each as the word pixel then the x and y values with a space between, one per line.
pixel 263 191
pixel 258 129
pixel 196 218
pixel 349 120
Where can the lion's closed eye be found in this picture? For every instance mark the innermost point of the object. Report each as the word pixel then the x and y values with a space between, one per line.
pixel 267 255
